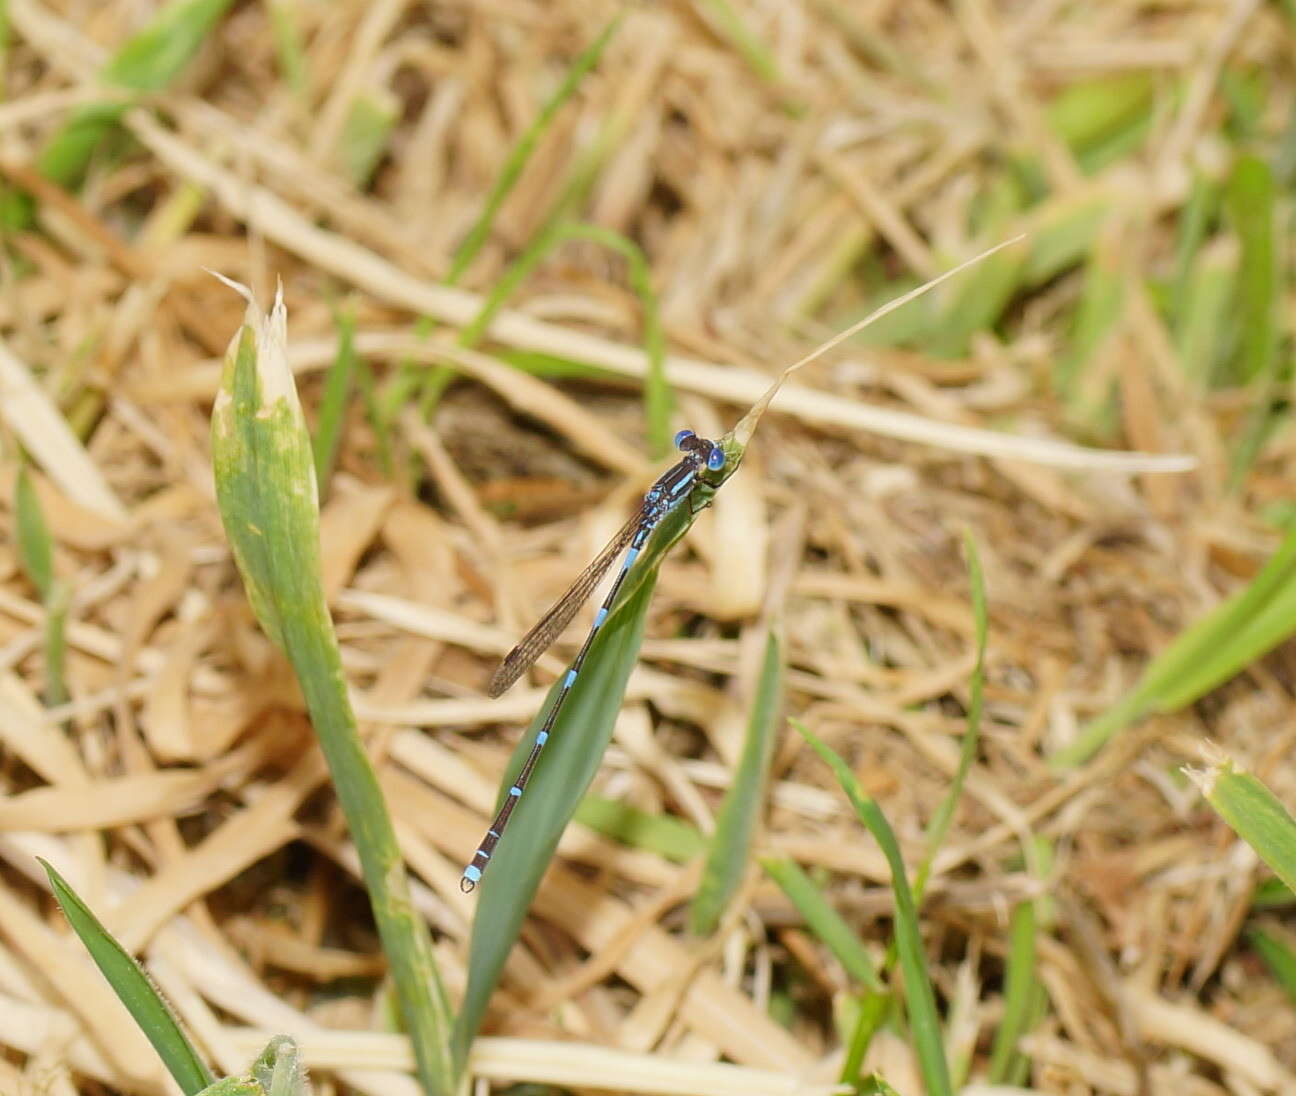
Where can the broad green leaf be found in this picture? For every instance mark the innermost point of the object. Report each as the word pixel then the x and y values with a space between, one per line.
pixel 265 488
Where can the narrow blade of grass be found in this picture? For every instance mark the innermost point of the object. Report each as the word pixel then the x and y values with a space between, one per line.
pixel 1097 318
pixel 567 766
pixel 1278 956
pixel 1249 200
pixel 868 1021
pixel 1100 119
pixel 1007 1063
pixel 133 989
pixel 1254 813
pixel 726 21
pixel 149 61
pixel 369 123
pixel 289 50
pixel 265 487
pixel 920 1000
pixel 1204 311
pixel 525 147
pixel 730 850
pixel 939 825
pixel 35 545
pixel 332 410
pixel 824 921
pixel 663 834
pixel 1205 654
pixel 658 402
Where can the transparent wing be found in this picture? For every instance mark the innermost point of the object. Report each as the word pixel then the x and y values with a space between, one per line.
pixel 550 626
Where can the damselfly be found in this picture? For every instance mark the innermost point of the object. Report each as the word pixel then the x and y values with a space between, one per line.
pixel 668 492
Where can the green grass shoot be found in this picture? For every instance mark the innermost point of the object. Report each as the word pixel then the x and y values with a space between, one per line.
pixel 133 989
pixel 265 487
pixel 739 817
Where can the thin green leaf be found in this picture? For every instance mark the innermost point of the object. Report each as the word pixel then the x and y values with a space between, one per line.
pixel 56 610
pixel 265 488
pixel 333 403
pixel 1278 956
pixel 365 133
pixel 939 825
pixel 730 850
pixel 658 402
pixel 522 151
pixel 868 1021
pixel 919 997
pixel 1204 309
pixel 133 989
pixel 730 25
pixel 288 45
pixel 1255 814
pixel 1020 986
pixel 1249 199
pixel 663 834
pixel 149 61
pixel 35 545
pixel 1207 653
pixel 824 921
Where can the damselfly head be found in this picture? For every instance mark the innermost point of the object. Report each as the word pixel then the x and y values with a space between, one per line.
pixel 706 451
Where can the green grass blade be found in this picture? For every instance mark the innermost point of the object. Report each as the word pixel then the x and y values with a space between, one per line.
pixel 663 834
pixel 1278 956
pixel 939 825
pixel 868 1021
pixel 149 61
pixel 333 403
pixel 730 850
pixel 1255 814
pixel 920 1000
pixel 363 141
pixel 1020 990
pixel 824 921
pixel 265 487
pixel 726 21
pixel 1102 303
pixel 568 764
pixel 1249 200
pixel 525 147
pixel 569 761
pixel 658 402
pixel 1194 222
pixel 1204 311
pixel 1204 655
pixel 133 989
pixel 878 1084
pixel 289 50
pixel 35 545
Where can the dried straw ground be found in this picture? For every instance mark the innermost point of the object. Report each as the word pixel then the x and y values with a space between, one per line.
pixel 185 797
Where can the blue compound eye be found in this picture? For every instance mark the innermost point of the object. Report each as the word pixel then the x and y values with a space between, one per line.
pixel 716 459
pixel 682 437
